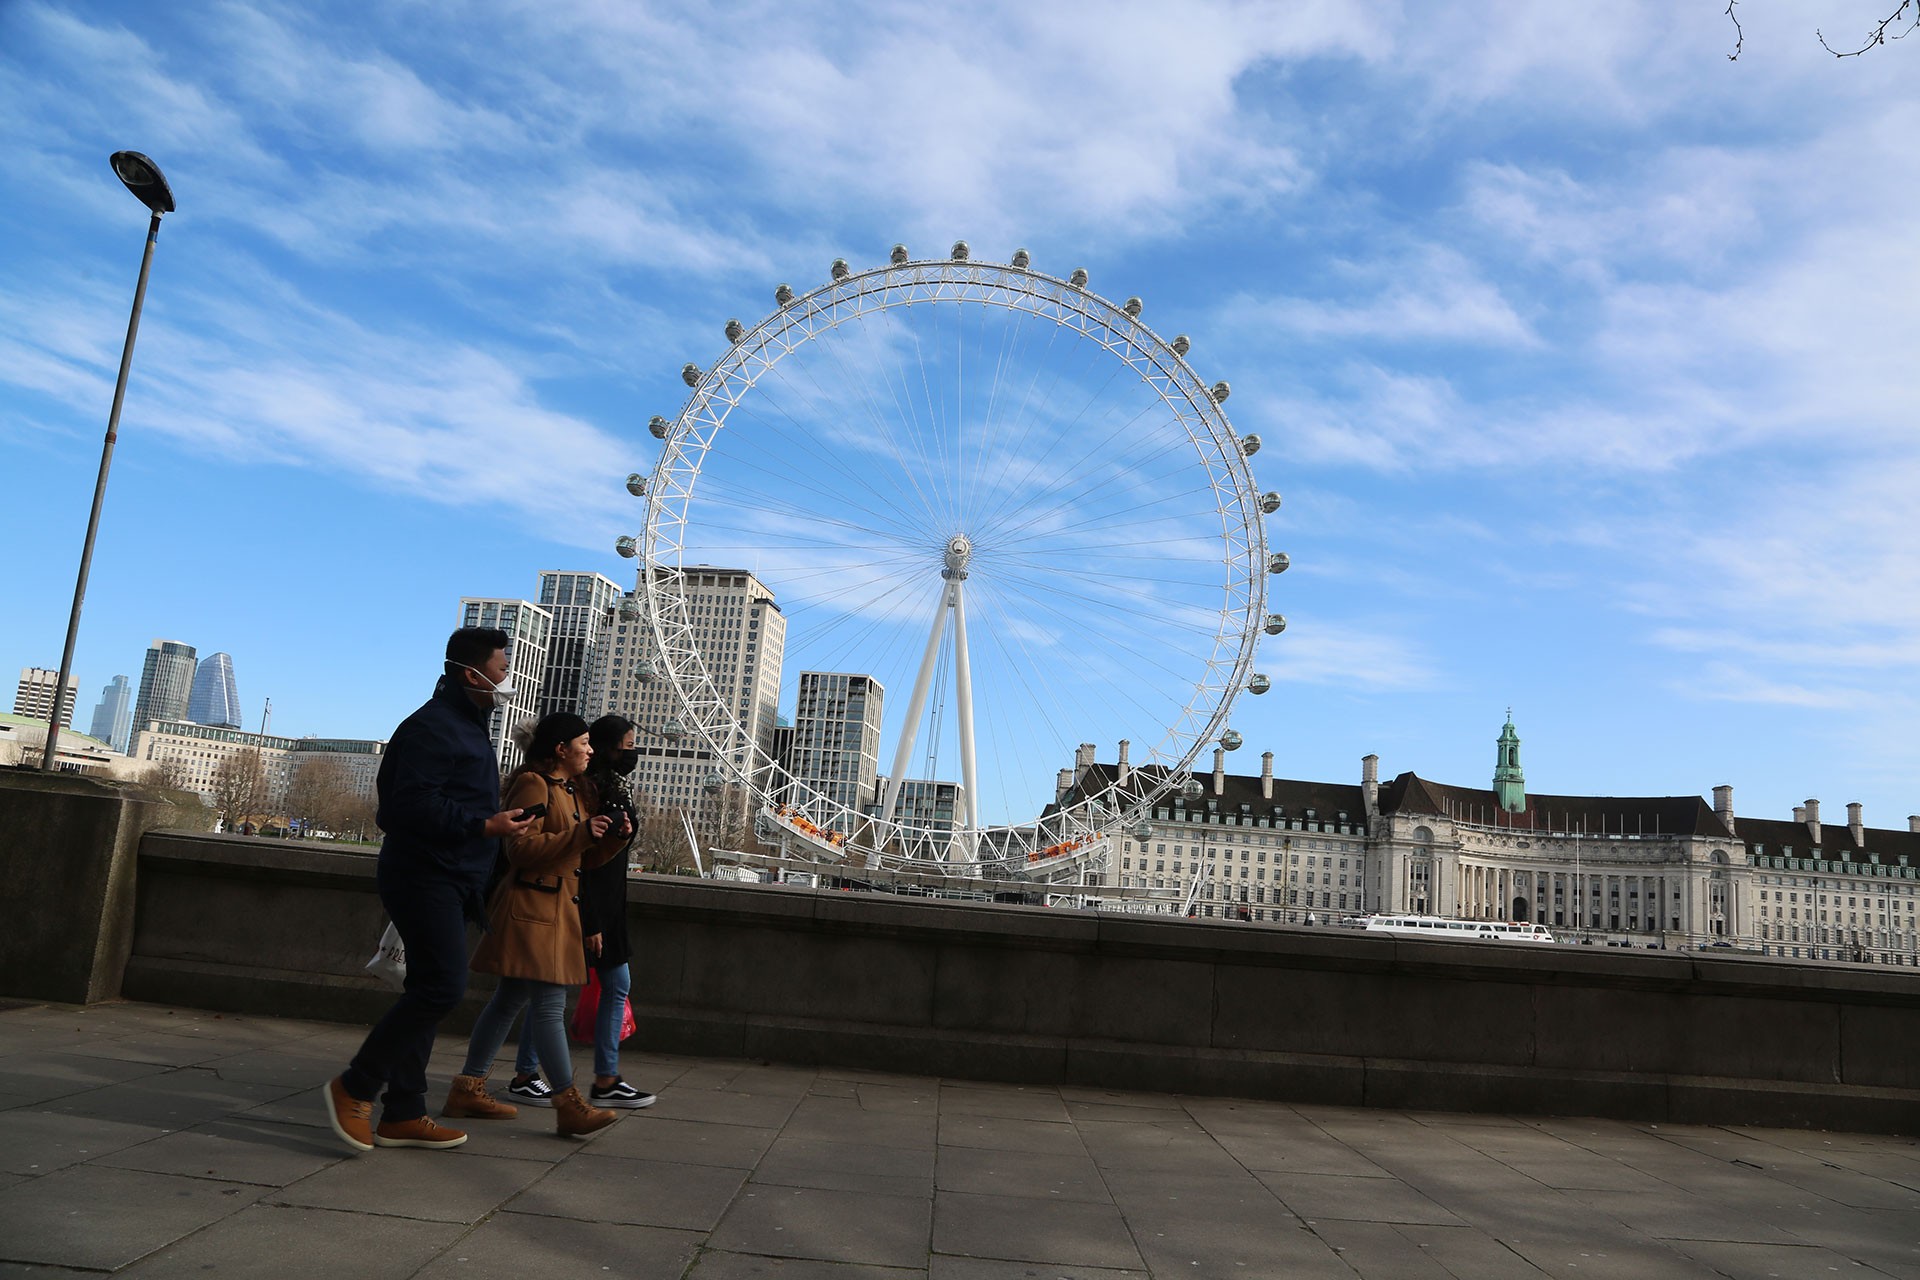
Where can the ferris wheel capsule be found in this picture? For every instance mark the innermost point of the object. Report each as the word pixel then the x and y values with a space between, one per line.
pixel 734 330
pixel 1133 307
pixel 629 606
pixel 1181 345
pixel 960 251
pixel 1022 259
pixel 1220 392
pixel 1278 562
pixel 1249 445
pixel 1191 789
pixel 690 374
pixel 1079 278
pixel 658 427
pixel 712 782
pixel 673 731
pixel 627 547
pixel 1276 623
pixel 784 295
pixel 1270 501
pixel 636 484
pixel 840 269
pixel 1232 740
pixel 645 672
pixel 1259 683
pixel 1143 831
pixel 898 257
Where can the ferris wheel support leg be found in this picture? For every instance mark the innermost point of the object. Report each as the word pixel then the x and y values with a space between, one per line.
pixel 963 676
pixel 903 757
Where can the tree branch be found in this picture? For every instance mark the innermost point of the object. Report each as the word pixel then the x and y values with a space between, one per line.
pixel 1739 35
pixel 1878 35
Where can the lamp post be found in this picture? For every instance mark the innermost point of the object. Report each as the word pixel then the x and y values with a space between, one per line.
pixel 142 177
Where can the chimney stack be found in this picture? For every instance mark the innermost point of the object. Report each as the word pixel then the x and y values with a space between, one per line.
pixel 1125 770
pixel 1813 819
pixel 1266 779
pixel 1855 826
pixel 1062 784
pixel 1799 813
pixel 1913 823
pixel 1370 783
pixel 1219 771
pixel 1723 805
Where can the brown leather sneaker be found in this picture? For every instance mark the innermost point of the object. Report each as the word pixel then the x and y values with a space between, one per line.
pixel 352 1119
pixel 468 1099
pixel 416 1133
pixel 572 1117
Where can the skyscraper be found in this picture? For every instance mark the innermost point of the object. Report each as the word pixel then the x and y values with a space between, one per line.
pixel 166 683
pixel 113 718
pixel 528 629
pixel 836 738
pixel 580 604
pixel 215 699
pixel 742 638
pixel 34 697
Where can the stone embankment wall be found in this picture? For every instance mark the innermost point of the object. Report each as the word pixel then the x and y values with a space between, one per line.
pixel 1031 994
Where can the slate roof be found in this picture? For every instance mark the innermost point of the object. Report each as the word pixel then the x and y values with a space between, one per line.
pixel 1599 815
pixel 1773 837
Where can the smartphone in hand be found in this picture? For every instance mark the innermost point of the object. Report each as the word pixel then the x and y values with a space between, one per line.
pixel 534 811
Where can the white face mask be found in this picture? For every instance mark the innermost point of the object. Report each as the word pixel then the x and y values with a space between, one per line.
pixel 502 692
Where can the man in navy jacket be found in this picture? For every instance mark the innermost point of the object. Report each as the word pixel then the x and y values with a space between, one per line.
pixel 439 787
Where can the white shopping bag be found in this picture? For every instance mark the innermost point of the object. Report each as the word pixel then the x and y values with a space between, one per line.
pixel 389 963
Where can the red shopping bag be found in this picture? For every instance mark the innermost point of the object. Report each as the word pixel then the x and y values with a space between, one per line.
pixel 584 1014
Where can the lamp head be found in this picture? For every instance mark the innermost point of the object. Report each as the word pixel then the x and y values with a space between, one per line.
pixel 143 177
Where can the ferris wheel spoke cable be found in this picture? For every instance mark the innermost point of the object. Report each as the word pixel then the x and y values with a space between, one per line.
pixel 883 421
pixel 1069 620
pixel 1061 716
pixel 1126 687
pixel 1010 336
pixel 1034 464
pixel 1029 419
pixel 1084 480
pixel 1121 517
pixel 1147 608
pixel 1022 419
pixel 808 440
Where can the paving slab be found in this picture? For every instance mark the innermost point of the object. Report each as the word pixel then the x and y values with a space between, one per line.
pixel 845 1120
pixel 518 1246
pixel 1023 1229
pixel 644 1193
pixel 828 1226
pixel 848 1166
pixel 1004 1173
pixel 296 1243
pixel 234 1150
pixel 1332 1196
pixel 645 1136
pixel 456 1185
pixel 38 1142
pixel 948 1268
pixel 997 1133
pixel 1014 1102
pixel 100 1218
pixel 718 1265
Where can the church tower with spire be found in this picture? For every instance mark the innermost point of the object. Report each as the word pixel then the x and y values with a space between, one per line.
pixel 1509 784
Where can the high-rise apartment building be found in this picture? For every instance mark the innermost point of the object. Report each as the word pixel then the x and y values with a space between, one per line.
pixel 741 637
pixel 581 604
pixel 34 697
pixel 927 812
pixel 215 699
pixel 191 755
pixel 836 739
pixel 166 683
pixel 113 718
pixel 528 628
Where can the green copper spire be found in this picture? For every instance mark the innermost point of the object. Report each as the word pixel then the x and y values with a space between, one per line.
pixel 1509 784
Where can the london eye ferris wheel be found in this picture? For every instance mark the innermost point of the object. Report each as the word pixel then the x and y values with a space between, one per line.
pixel 1010 503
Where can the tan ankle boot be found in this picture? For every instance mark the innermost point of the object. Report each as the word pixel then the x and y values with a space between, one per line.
pixel 572 1116
pixel 468 1099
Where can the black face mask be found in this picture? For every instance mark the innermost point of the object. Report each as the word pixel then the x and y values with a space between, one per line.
pixel 625 762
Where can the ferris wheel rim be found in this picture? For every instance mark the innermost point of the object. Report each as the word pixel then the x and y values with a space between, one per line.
pixel 800 319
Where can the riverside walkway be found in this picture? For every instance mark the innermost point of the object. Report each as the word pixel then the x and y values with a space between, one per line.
pixel 150 1141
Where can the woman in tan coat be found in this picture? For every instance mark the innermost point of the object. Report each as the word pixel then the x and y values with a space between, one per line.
pixel 533 926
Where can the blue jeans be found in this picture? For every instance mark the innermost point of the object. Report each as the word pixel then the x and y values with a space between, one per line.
pixel 614 985
pixel 546 1006
pixel 429 911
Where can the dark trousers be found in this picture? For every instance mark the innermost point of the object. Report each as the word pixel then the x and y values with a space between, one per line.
pixel 429 912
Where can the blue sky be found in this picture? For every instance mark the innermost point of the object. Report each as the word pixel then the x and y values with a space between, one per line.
pixel 1579 350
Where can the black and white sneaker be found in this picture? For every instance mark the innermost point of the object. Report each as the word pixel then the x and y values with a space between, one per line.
pixel 620 1094
pixel 534 1093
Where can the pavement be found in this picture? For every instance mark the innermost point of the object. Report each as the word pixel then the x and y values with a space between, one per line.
pixel 147 1141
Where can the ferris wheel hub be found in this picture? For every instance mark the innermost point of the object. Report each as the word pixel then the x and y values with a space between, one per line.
pixel 959 553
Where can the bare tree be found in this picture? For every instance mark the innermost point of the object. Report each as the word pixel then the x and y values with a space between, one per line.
pixel 1897 25
pixel 321 793
pixel 240 787
pixel 660 844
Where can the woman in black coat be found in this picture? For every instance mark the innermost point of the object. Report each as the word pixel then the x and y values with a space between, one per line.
pixel 603 909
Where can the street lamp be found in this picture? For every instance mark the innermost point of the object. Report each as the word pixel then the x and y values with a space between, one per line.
pixel 142 177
